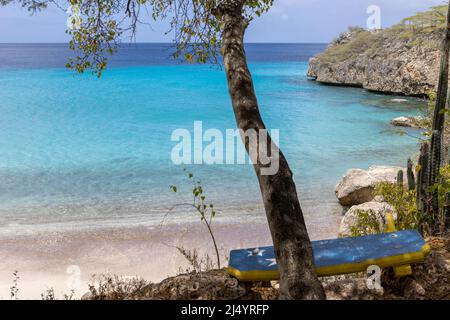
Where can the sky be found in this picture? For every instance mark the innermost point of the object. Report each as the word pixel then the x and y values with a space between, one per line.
pixel 290 21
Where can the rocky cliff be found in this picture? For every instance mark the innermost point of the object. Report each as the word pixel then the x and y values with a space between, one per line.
pixel 403 59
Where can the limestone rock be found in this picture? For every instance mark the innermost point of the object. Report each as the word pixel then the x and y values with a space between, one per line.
pixel 350 219
pixel 411 122
pixel 382 62
pixel 357 185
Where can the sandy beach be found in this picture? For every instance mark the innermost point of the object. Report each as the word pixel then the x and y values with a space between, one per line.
pixel 52 259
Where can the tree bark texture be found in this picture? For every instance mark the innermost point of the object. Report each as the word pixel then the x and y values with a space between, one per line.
pixel 293 250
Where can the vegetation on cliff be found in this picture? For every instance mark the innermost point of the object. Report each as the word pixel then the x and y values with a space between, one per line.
pixel 402 59
pixel 422 29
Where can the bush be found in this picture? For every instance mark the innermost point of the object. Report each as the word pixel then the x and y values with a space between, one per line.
pixel 443 189
pixel 369 222
pixel 404 204
pixel 113 287
pixel 359 42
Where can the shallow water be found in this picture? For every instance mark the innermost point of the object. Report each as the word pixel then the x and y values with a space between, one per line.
pixel 80 152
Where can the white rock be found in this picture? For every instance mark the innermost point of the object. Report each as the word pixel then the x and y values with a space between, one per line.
pixel 399 100
pixel 350 219
pixel 357 185
pixel 411 122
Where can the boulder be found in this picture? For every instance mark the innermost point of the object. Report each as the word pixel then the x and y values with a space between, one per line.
pixel 399 100
pixel 357 185
pixel 350 219
pixel 409 122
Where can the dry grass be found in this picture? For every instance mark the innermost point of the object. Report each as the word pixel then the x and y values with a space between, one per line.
pixel 113 287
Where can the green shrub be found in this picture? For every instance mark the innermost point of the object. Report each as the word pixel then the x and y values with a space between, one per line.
pixel 404 204
pixel 443 189
pixel 359 43
pixel 402 201
pixel 369 222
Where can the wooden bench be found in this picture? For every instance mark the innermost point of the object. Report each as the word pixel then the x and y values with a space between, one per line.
pixel 396 249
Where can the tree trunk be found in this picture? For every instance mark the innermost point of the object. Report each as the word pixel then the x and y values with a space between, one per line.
pixel 293 250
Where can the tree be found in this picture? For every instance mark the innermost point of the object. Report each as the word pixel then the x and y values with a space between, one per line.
pixel 202 29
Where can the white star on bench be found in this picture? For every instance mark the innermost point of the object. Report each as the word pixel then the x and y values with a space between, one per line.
pixel 272 262
pixel 255 252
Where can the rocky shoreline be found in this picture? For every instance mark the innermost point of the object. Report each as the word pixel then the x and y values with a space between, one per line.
pixel 409 122
pixel 357 185
pixel 383 61
pixel 355 192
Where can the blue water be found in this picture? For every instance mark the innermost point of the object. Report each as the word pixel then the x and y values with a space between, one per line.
pixel 77 150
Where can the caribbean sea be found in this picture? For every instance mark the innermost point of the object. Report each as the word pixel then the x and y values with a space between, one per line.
pixel 86 168
pixel 75 149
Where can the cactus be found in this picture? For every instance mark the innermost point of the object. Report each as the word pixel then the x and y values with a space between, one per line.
pixel 433 172
pixel 438 125
pixel 447 198
pixel 410 176
pixel 400 178
pixel 447 211
pixel 422 178
pixel 442 89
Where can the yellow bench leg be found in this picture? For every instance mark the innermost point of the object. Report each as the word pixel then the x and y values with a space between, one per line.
pixel 403 271
pixel 400 271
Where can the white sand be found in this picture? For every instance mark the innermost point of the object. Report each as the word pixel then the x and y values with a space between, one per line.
pixel 51 259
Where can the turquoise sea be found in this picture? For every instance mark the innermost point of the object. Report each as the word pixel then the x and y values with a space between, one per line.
pixel 81 152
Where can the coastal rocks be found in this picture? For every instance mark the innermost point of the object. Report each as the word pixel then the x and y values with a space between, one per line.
pixel 409 122
pixel 357 185
pixel 382 62
pixel 396 100
pixel 377 208
pixel 343 38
